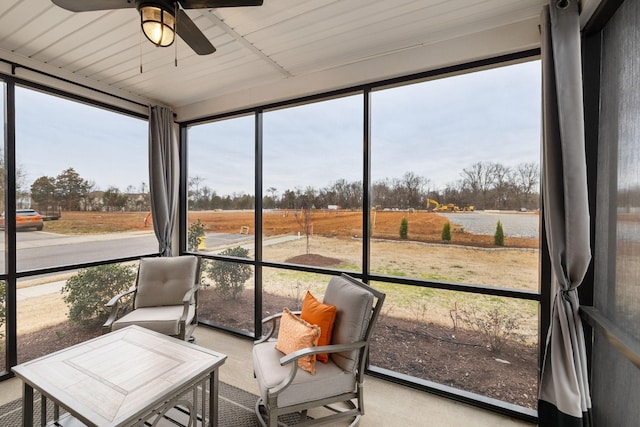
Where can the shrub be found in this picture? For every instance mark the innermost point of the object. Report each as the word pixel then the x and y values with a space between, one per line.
pixel 498 237
pixel 496 326
pixel 446 232
pixel 91 288
pixel 297 294
pixel 404 228
pixel 230 276
pixel 195 233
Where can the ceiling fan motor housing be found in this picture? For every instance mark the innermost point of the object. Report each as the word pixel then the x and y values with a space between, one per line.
pixel 167 5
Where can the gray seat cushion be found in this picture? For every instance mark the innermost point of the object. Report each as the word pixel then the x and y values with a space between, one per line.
pixel 165 281
pixel 354 307
pixel 328 381
pixel 163 319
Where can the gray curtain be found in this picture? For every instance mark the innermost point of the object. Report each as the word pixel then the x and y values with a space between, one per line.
pixel 564 398
pixel 163 175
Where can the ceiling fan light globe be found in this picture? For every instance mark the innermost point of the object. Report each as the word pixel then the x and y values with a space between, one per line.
pixel 158 25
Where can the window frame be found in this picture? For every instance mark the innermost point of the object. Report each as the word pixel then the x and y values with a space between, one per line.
pixel 542 296
pixel 11 274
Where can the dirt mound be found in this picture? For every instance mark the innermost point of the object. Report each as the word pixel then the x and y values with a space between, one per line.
pixel 314 260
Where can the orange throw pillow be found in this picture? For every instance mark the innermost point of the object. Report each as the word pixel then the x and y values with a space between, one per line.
pixel 323 315
pixel 295 334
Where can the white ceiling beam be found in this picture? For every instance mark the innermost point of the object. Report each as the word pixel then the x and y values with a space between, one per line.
pixel 38 72
pixel 246 44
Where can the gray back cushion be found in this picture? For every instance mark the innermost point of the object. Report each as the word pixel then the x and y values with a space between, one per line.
pixel 164 281
pixel 353 312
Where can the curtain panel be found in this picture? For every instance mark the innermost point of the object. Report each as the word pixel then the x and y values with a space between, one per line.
pixel 163 175
pixel 564 398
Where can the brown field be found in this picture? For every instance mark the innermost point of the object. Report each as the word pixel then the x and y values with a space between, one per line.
pixel 423 226
pixel 97 222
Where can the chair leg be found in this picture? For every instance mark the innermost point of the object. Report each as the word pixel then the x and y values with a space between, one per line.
pixel 259 416
pixel 273 420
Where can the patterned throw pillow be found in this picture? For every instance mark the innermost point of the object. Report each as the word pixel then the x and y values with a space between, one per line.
pixel 295 334
pixel 323 315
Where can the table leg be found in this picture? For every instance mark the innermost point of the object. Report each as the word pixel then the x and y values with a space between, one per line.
pixel 213 398
pixel 27 405
pixel 43 411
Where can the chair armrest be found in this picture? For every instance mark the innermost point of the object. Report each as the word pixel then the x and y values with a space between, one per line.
pixel 190 293
pixel 334 348
pixel 273 320
pixel 115 300
pixel 114 306
pixel 186 302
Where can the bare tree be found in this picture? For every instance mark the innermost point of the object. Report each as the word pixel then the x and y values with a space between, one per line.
pixel 414 188
pixel 194 192
pixel 503 185
pixel 527 179
pixel 304 215
pixel 381 193
pixel 479 179
pixel 22 191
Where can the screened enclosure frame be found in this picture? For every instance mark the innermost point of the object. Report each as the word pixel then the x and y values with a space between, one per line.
pixel 592 44
pixel 11 274
pixel 365 275
pixel 604 332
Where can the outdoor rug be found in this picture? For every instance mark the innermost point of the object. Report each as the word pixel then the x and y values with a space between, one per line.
pixel 236 410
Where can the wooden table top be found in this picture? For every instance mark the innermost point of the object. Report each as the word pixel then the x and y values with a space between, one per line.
pixel 114 378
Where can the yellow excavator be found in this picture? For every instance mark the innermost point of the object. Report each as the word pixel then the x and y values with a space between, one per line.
pixel 435 204
pixel 449 207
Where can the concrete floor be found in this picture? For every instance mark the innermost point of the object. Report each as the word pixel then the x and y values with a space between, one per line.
pixel 386 404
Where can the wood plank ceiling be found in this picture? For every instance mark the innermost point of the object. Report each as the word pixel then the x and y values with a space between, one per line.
pixel 283 40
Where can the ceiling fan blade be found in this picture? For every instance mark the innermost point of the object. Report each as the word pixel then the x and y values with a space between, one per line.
pixel 192 35
pixel 89 5
pixel 211 4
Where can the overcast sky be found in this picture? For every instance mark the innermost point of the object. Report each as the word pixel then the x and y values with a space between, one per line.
pixel 434 129
pixel 53 135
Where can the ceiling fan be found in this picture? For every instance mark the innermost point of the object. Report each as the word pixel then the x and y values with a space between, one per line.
pixel 162 19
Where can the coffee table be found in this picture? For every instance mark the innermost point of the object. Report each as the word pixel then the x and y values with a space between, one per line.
pixel 124 378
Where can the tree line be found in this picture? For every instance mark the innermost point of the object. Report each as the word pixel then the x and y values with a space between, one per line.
pixel 68 191
pixel 484 185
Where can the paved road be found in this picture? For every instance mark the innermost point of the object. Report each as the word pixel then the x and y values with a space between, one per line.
pixel 218 241
pixel 39 249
